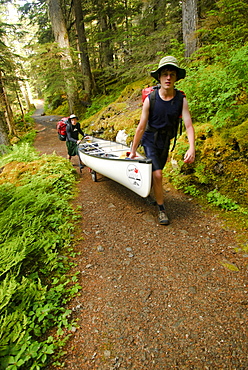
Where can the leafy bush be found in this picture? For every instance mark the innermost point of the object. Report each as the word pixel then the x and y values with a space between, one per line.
pixel 221 201
pixel 20 153
pixel 192 190
pixel 215 92
pixel 36 229
pixel 210 92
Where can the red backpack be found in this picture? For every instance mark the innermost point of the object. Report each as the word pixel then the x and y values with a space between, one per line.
pixel 146 91
pixel 61 128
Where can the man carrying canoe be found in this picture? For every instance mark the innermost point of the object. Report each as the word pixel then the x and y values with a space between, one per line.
pixel 155 128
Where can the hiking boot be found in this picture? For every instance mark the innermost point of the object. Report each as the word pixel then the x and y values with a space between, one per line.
pixel 162 218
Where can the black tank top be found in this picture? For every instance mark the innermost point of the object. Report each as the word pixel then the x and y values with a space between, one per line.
pixel 163 119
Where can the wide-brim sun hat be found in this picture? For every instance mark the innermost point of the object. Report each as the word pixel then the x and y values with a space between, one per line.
pixel 166 62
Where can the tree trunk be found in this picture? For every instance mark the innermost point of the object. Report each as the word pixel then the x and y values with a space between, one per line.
pixel 6 108
pixel 4 139
pixel 106 50
pixel 84 56
pixel 26 93
pixel 20 105
pixel 189 24
pixel 61 37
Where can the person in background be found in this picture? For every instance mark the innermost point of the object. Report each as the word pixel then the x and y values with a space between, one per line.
pixel 156 139
pixel 73 129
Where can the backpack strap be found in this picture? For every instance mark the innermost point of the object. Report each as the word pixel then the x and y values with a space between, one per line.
pixel 152 104
pixel 152 101
pixel 181 95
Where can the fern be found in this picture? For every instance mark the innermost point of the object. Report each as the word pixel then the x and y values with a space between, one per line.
pixel 21 153
pixel 35 226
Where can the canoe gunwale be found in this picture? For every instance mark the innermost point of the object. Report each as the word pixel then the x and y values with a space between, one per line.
pixel 99 156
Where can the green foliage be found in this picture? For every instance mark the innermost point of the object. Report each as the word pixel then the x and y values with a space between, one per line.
pixel 28 137
pixel 21 153
pixel 192 190
pixel 36 226
pixel 98 103
pixel 226 21
pixel 37 14
pixel 221 201
pixel 21 148
pixel 202 173
pixel 58 107
pixel 216 92
pixel 49 77
pixel 7 60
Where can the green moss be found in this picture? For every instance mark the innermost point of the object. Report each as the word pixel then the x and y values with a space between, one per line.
pixel 124 113
pixel 238 137
pixel 203 131
pixel 234 183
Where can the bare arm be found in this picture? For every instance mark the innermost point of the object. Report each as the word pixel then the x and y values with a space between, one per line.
pixel 141 127
pixel 190 154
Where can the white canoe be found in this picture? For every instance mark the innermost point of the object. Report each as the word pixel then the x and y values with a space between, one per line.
pixel 109 159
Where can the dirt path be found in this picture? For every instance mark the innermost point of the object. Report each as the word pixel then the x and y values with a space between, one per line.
pixel 153 297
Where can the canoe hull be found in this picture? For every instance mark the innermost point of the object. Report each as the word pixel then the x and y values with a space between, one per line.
pixel 110 160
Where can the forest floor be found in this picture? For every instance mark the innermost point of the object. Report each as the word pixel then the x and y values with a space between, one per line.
pixel 153 297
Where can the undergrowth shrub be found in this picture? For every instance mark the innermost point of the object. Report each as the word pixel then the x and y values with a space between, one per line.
pixel 217 92
pixel 221 201
pixel 20 153
pixel 211 94
pixel 36 230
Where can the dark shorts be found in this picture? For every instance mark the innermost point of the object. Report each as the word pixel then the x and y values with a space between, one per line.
pixel 157 155
pixel 72 148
